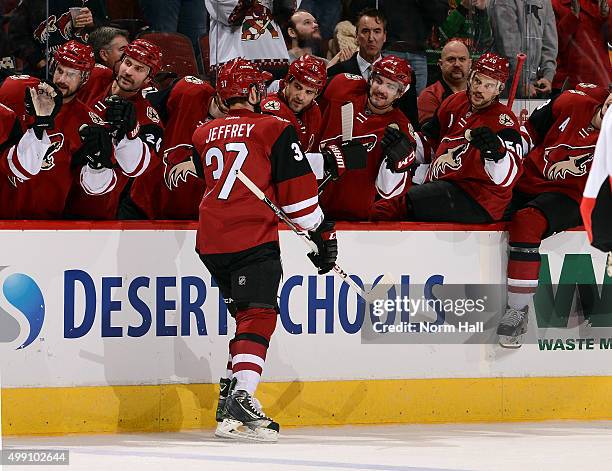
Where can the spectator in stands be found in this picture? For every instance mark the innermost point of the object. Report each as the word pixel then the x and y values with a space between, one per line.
pixel 583 53
pixel 249 29
pixel 31 30
pixel 108 44
pixel 187 17
pixel 303 35
pixel 410 24
pixel 371 26
pixel 328 12
pixel 527 27
pixel 468 20
pixel 455 65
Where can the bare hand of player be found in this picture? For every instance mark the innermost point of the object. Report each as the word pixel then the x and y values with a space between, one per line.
pixel 43 99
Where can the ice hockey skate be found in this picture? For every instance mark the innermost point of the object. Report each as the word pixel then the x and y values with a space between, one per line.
pixel 243 419
pixel 224 386
pixel 512 327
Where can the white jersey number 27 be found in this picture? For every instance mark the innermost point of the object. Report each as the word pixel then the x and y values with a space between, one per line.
pixel 217 154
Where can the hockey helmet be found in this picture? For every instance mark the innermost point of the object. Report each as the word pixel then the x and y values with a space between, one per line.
pixel 148 53
pixel 75 55
pixel 236 77
pixel 310 71
pixel 394 68
pixel 493 66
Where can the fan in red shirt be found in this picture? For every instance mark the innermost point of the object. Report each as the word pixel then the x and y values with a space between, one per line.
pixel 475 148
pixel 137 135
pixel 57 151
pixel 237 237
pixel 380 127
pixel 295 100
pixel 546 201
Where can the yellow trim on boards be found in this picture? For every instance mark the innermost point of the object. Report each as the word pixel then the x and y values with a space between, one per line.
pixel 171 407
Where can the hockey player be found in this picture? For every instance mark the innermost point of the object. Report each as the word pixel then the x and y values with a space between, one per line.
pixel 237 237
pixel 172 181
pixel 474 145
pixel 41 179
pixel 137 134
pixel 546 199
pixel 295 101
pixel 380 127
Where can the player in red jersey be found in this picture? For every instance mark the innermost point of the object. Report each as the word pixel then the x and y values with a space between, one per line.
pixel 295 100
pixel 380 127
pixel 31 145
pixel 40 181
pixel 474 145
pixel 137 135
pixel 171 182
pixel 562 135
pixel 237 237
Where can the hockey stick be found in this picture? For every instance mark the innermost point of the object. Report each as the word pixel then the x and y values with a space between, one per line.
pixel 386 280
pixel 346 119
pixel 520 60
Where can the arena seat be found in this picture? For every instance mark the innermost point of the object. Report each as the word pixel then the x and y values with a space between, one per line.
pixel 177 50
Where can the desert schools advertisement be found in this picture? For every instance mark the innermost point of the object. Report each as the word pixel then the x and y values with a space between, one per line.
pixel 111 307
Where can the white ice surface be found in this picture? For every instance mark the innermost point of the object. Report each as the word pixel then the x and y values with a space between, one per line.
pixel 515 446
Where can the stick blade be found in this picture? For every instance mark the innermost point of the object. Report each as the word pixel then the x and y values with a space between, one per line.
pixel 346 116
pixel 382 287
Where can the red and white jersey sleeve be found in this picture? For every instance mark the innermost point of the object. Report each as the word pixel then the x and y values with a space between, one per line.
pixel 267 150
pixel 596 206
pixel 21 153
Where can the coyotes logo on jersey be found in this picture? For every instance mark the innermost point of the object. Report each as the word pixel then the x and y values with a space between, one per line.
pixel 48 162
pixel 257 23
pixel 53 24
pixel 175 173
pixel 563 161
pixel 451 159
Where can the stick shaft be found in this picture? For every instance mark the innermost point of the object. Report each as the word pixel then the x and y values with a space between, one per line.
pixel 281 215
pixel 520 59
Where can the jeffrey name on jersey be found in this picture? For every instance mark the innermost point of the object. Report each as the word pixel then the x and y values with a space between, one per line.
pixel 229 131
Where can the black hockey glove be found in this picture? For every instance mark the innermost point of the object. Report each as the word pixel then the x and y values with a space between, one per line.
pixel 398 149
pixel 327 244
pixel 489 144
pixel 121 115
pixel 337 159
pixel 97 148
pixel 44 107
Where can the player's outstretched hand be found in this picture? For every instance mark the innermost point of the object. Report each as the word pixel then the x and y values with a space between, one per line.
pixel 43 102
pixel 97 148
pixel 487 142
pixel 327 244
pixel 398 149
pixel 350 155
pixel 121 115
